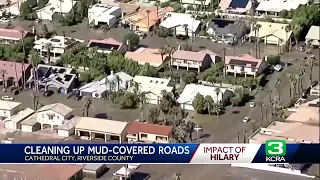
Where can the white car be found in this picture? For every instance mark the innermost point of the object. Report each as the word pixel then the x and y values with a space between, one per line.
pixel 246 119
pixel 252 104
pixel 4 20
pixel 7 98
pixel 277 67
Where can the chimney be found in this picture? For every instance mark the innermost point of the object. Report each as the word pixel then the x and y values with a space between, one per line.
pixel 111 73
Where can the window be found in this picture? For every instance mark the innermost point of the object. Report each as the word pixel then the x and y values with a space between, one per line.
pixel 185 61
pixel 144 135
pixel 231 67
pixel 242 69
pixel 50 117
pixel 42 116
pixel 252 69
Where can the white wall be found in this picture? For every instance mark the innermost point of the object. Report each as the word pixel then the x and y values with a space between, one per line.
pixel 43 118
pixel 26 128
pixel 10 125
pixel 9 113
pixel 63 133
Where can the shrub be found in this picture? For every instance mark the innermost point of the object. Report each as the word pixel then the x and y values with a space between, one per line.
pixel 273 60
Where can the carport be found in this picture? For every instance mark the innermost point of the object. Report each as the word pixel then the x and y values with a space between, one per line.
pixel 109 130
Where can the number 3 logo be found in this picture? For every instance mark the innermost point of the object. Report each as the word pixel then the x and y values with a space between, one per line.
pixel 277 148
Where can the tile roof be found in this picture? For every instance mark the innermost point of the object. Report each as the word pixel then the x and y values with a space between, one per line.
pixel 146 55
pixel 100 125
pixel 139 127
pixel 8 105
pixel 43 171
pixel 106 41
pixel 140 18
pixel 11 67
pixel 14 33
pixel 244 57
pixel 189 55
pixel 57 107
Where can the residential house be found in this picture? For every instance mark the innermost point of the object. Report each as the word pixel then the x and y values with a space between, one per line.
pixel 55 6
pixel 8 109
pixel 98 89
pixel 30 124
pixel 235 6
pixel 148 55
pixel 61 78
pixel 271 33
pixel 107 45
pixel 289 132
pixel 55 46
pixel 145 18
pixel 14 73
pixel 196 3
pixel 41 171
pixel 90 128
pixel 315 91
pixel 274 7
pixel 14 121
pixel 53 115
pixel 244 64
pixel 226 31
pixel 67 128
pixel 153 86
pixel 313 37
pixel 100 14
pixel 148 133
pixel 177 22
pixel 11 36
pixel 191 90
pixel 200 60
pixel 306 113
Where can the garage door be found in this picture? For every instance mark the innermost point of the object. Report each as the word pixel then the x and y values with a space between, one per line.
pixel 26 128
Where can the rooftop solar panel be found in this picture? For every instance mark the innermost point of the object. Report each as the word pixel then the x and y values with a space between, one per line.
pixel 67 77
pixel 62 70
pixel 104 46
pixel 238 3
pixel 42 71
pixel 243 63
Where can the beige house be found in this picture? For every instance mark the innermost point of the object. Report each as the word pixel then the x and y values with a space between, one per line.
pixel 14 121
pixel 109 130
pixel 8 109
pixel 53 115
pixel 30 124
pixel 306 113
pixel 149 133
pixel 244 64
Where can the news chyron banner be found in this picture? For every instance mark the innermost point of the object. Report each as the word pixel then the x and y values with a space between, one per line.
pixel 273 151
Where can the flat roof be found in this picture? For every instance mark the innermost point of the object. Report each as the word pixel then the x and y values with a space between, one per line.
pixel 100 125
pixel 313 33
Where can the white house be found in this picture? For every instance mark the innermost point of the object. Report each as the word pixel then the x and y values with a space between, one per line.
pixel 55 6
pixel 30 124
pixel 104 14
pixel 57 45
pixel 53 115
pixel 313 36
pixel 98 89
pixel 244 64
pixel 67 128
pixel 14 121
pixel 8 109
pixel 191 90
pixel 177 21
pixel 274 7
pixel 154 86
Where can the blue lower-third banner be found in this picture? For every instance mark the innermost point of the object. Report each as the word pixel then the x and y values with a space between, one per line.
pixel 271 152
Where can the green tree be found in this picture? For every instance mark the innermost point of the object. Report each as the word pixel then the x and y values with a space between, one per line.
pixel 198 103
pixel 148 70
pixel 166 102
pixel 42 3
pixel 217 109
pixel 208 102
pixel 132 40
pixel 25 10
pixel 154 114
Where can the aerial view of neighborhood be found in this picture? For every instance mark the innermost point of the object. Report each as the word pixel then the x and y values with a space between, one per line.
pixel 159 71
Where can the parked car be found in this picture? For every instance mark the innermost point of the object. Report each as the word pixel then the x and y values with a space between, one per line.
pixel 278 67
pixel 246 119
pixel 252 104
pixel 48 93
pixel 7 98
pixel 4 20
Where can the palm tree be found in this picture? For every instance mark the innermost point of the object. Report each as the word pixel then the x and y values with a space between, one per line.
pixel 143 100
pixel 217 91
pixel 3 72
pixel 186 29
pixel 118 81
pixel 224 61
pixel 288 29
pixel 216 108
pixel 35 101
pixel 245 135
pixel 277 85
pixel 148 16
pixel 48 47
pixel 177 176
pixel 238 137
pixel 301 72
pixel 258 26
pixel 24 56
pixel 260 104
pixel 208 103
pixel 311 64
pixel 16 73
pixel 162 52
pixel 87 102
pixel 290 76
pixel 52 11
pixel 294 84
pixel 60 1
pixel 193 17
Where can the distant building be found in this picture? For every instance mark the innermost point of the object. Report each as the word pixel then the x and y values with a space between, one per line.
pixel 61 78
pixel 107 45
pixel 148 55
pixel 57 44
pixel 55 6
pixel 191 90
pixel 226 31
pixel 14 72
pixel 235 6
pixel 200 60
pixel 8 109
pixel 104 14
pixel 148 133
pixel 244 64
pixel 10 36
pixel 313 37
pixel 274 7
pixel 306 113
pixel 14 121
